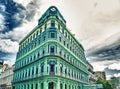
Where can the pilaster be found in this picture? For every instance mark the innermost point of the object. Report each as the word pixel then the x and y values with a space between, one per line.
pixel 45 85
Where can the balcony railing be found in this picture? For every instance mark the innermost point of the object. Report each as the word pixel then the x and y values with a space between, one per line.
pixel 52 73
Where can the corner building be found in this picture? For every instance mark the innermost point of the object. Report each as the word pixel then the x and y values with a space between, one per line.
pixel 50 57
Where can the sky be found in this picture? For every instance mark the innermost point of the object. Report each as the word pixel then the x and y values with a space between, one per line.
pixel 95 23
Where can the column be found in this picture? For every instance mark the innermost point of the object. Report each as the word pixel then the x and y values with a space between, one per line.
pixel 58 85
pixel 39 86
pixel 45 85
pixel 30 86
pixel 64 85
pixel 34 84
pixel 39 70
pixel 58 68
pixel 45 67
pixel 34 71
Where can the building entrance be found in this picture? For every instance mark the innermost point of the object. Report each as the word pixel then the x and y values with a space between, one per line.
pixel 51 85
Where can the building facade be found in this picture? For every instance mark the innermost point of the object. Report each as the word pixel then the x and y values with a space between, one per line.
pixel 100 74
pixel 50 57
pixel 91 77
pixel 6 77
pixel 115 82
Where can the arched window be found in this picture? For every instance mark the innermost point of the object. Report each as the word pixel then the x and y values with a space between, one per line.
pixel 37 69
pixel 60 39
pixel 45 26
pixel 51 85
pixel 34 56
pixel 42 67
pixel 25 74
pixel 69 72
pixel 33 71
pixel 40 30
pixel 52 68
pixel 43 52
pixel 60 52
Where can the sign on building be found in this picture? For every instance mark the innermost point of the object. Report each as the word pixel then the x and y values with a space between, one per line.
pixel 93 86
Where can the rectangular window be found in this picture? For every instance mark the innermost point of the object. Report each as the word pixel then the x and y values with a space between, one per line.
pixel 42 68
pixel 52 35
pixel 52 49
pixel 64 42
pixel 52 23
pixel 51 68
pixel 60 39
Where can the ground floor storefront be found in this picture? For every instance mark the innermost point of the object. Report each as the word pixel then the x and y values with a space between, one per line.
pixel 49 83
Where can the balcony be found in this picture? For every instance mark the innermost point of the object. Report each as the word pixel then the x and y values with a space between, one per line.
pixel 52 73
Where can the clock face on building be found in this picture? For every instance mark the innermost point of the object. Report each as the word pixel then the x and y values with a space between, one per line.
pixel 53 9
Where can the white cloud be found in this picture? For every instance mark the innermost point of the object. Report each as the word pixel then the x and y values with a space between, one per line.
pixel 114 66
pixel 117 75
pixel 98 66
pixel 23 2
pixel 18 33
pixel 108 77
pixel 6 45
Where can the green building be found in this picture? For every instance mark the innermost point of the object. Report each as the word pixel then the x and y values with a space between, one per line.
pixel 50 57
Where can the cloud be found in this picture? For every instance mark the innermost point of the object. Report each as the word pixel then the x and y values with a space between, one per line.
pixel 114 66
pixel 107 50
pixel 117 75
pixel 8 46
pixel 1 23
pixel 110 72
pixel 15 13
pixel 19 33
pixel 97 26
pixel 16 20
pixel 9 12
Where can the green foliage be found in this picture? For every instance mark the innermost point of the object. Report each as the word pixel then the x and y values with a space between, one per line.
pixel 106 84
pixel 115 82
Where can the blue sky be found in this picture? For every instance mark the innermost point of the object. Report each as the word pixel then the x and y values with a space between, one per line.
pixel 95 23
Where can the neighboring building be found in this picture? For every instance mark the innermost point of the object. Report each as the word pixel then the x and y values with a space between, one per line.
pixel 100 74
pixel 50 57
pixel 92 77
pixel 115 82
pixel 1 63
pixel 6 77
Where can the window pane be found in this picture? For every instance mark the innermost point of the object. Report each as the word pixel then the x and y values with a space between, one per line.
pixel 52 35
pixel 52 49
pixel 52 24
pixel 52 68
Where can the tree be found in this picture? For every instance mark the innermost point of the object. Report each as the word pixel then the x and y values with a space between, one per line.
pixel 115 82
pixel 106 84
